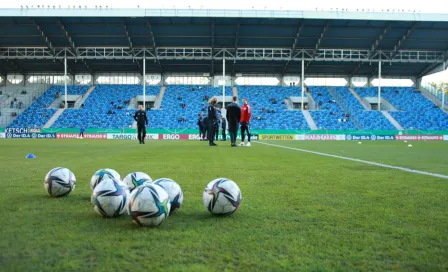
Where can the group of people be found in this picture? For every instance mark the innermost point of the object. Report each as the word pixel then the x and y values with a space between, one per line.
pixel 235 116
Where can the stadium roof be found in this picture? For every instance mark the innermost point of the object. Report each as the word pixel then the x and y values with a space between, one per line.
pixel 254 42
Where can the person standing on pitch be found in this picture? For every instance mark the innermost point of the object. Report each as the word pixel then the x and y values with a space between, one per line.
pixel 233 117
pixel 246 114
pixel 212 118
pixel 223 127
pixel 142 122
pixel 81 132
pixel 218 122
pixel 201 126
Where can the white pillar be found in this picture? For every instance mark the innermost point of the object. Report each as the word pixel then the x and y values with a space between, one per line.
pixel 65 81
pixel 443 95
pixel 302 79
pixel 379 85
pixel 144 83
pixel 223 82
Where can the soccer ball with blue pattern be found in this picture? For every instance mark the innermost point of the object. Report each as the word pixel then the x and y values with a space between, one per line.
pixel 222 196
pixel 174 192
pixel 149 205
pixel 59 182
pixel 135 179
pixel 102 173
pixel 110 197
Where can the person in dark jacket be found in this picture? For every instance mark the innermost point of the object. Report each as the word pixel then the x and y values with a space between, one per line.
pixel 233 117
pixel 204 128
pixel 212 121
pixel 142 121
pixel 223 127
pixel 201 126
pixel 218 123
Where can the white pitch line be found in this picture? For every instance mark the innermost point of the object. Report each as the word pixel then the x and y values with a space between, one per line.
pixel 361 161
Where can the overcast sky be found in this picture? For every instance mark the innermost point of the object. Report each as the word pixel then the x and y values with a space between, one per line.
pixel 427 6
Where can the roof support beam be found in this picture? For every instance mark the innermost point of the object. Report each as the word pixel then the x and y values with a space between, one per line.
pixel 212 64
pixel 154 45
pixel 435 67
pixel 319 41
pixel 126 33
pixel 68 37
pixel 131 47
pixel 402 40
pixel 373 48
pixel 44 36
pixel 235 45
pixel 294 45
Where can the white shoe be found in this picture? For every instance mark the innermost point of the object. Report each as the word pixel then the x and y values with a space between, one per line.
pixel 242 144
pixel 248 144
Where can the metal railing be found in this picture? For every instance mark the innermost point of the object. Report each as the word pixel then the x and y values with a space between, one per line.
pixel 437 93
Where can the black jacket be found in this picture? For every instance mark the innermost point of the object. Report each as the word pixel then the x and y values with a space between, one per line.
pixel 141 118
pixel 205 123
pixel 223 124
pixel 233 115
pixel 212 116
pixel 200 122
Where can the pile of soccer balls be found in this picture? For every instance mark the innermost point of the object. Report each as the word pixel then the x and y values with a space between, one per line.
pixel 148 202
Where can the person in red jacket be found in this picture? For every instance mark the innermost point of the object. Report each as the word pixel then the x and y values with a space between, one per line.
pixel 246 114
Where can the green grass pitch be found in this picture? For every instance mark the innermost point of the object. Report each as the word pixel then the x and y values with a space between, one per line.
pixel 300 212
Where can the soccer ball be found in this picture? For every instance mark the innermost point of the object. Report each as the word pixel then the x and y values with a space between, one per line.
pixel 222 196
pixel 135 179
pixel 149 205
pixel 174 192
pixel 59 182
pixel 110 197
pixel 100 174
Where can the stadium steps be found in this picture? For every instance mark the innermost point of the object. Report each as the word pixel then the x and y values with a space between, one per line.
pixel 309 119
pixel 431 97
pixel 53 118
pixel 159 98
pixel 84 98
pixel 235 91
pixel 392 120
pixel 313 105
pixel 359 99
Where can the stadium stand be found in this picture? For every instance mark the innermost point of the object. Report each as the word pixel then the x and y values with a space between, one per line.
pixel 269 110
pixel 106 107
pixel 330 115
pixel 38 113
pixel 363 119
pixel 414 111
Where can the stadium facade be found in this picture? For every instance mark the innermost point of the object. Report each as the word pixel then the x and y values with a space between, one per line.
pixel 99 47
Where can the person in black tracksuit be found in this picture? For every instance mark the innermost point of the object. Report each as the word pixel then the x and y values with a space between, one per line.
pixel 218 122
pixel 142 122
pixel 204 128
pixel 212 121
pixel 201 126
pixel 233 117
pixel 223 127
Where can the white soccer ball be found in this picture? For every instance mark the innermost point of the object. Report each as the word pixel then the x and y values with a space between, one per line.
pixel 135 179
pixel 222 196
pixel 59 182
pixel 174 193
pixel 100 174
pixel 149 205
pixel 110 197
pixel 409 145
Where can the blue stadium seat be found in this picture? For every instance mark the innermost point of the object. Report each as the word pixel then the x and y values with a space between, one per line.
pixel 37 114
